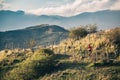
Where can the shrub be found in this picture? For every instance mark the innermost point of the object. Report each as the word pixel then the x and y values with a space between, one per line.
pixel 91 28
pixel 31 43
pixel 40 63
pixel 114 35
pixel 78 32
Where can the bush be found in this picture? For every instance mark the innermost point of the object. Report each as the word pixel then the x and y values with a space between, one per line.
pixel 114 35
pixel 91 28
pixel 77 33
pixel 40 63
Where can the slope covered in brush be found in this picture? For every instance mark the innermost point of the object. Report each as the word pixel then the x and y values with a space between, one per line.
pixel 69 60
pixel 40 34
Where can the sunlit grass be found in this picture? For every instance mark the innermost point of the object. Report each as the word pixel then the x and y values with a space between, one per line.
pixel 69 60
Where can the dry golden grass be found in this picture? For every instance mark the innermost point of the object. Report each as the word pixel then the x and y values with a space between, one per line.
pixel 71 65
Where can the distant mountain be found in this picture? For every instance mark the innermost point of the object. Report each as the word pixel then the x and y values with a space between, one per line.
pixel 10 20
pixel 104 19
pixel 41 35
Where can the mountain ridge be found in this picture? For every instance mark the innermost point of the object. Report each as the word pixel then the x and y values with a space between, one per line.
pixel 40 34
pixel 11 20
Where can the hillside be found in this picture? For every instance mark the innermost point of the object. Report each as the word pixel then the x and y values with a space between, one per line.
pixel 69 60
pixel 32 36
pixel 105 19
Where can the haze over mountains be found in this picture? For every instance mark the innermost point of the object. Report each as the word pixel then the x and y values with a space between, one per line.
pixel 10 20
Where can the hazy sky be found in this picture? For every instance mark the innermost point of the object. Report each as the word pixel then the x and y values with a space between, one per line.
pixel 59 7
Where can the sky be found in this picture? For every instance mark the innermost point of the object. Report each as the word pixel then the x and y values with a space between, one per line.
pixel 59 7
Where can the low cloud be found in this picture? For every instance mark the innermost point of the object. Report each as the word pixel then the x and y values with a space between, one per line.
pixel 77 7
pixel 116 6
pixel 67 8
pixel 4 5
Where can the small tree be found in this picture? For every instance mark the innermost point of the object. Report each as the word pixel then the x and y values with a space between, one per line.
pixel 91 28
pixel 31 43
pixel 78 32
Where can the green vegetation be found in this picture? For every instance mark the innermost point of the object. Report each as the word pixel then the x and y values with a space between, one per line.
pixel 31 43
pixel 82 31
pixel 113 35
pixel 69 60
pixel 78 32
pixel 91 28
pixel 40 63
pixel 32 36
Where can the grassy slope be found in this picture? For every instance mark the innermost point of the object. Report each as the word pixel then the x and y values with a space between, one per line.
pixel 69 65
pixel 77 68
